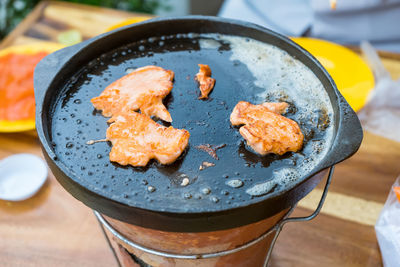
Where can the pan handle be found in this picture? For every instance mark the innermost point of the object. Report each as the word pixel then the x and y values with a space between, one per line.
pixel 48 68
pixel 348 137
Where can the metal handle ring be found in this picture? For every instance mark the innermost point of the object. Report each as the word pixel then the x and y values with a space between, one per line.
pixel 280 225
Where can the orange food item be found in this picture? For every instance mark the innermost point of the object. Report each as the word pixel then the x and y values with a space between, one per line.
pixel 17 100
pixel 265 131
pixel 143 89
pixel 396 190
pixel 278 108
pixel 332 3
pixel 136 139
pixel 206 83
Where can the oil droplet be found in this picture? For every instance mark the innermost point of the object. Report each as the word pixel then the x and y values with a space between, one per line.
pixel 99 156
pixel 151 189
pixel 90 173
pixel 69 145
pixel 78 121
pixel 235 183
pixel 224 192
pixel 206 191
pixel 145 182
pixel 214 199
pixel 77 101
pixel 185 182
pixel 141 48
pixel 187 195
pixel 83 168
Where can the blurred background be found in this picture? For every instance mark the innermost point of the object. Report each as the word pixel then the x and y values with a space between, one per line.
pixel 344 22
pixel 13 11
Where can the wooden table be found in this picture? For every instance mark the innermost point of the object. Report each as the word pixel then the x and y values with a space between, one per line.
pixel 54 229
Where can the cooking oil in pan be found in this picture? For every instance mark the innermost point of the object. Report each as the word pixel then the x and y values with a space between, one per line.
pixel 282 78
pixel 245 70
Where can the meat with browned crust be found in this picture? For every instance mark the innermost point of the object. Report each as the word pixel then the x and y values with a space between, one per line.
pixel 266 131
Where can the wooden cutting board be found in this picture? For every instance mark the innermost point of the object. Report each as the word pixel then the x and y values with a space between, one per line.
pixel 54 229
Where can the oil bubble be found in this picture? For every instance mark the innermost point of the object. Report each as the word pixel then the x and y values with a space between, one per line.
pixel 151 189
pixel 69 145
pixel 206 190
pixel 261 188
pixel 224 192
pixel 214 199
pixel 235 183
pixel 187 195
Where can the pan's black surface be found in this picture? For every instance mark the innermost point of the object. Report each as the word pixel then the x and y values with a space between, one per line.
pixel 67 80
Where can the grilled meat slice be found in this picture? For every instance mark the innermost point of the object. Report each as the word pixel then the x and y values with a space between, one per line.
pixel 266 131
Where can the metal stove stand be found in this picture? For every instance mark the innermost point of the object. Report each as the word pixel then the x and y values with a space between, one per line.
pixel 274 230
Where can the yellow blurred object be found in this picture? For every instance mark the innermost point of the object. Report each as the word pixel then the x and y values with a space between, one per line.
pixel 128 22
pixel 352 76
pixel 28 49
pixel 69 37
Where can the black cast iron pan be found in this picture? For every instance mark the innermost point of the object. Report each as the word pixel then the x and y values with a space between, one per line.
pixel 153 197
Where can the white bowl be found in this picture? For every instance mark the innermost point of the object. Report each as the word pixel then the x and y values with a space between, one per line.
pixel 21 176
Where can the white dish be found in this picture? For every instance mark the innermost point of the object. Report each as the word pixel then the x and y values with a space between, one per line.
pixel 21 176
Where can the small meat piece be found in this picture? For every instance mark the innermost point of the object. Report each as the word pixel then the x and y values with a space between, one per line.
pixel 278 108
pixel 206 83
pixel 266 131
pixel 143 89
pixel 210 149
pixel 136 139
pixel 205 165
